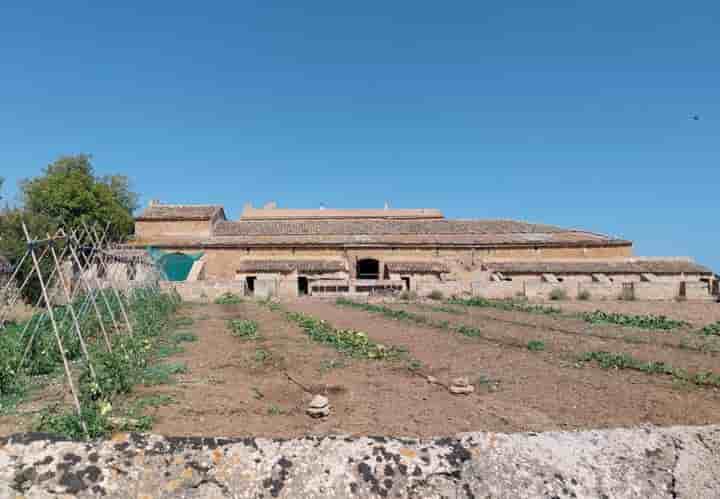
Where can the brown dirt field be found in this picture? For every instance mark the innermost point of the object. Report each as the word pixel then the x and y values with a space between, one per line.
pixel 537 390
pixel 229 391
pixel 573 337
pixel 217 396
pixel 697 313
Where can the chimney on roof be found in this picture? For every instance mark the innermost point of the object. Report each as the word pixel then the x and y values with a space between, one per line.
pixel 153 202
pixel 270 205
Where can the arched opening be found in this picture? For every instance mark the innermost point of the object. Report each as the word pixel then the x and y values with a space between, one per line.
pixel 368 268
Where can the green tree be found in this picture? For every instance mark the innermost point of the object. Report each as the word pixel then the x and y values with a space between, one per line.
pixel 70 194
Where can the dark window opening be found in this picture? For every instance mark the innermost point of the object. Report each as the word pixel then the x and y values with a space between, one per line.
pixel 302 286
pixel 131 271
pixel 368 268
pixel 250 284
pixel 406 280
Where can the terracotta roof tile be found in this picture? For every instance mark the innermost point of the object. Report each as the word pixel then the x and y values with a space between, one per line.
pixel 401 232
pixel 181 212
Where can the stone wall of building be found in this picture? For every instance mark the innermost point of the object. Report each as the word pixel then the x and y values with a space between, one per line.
pixel 147 230
pixel 204 291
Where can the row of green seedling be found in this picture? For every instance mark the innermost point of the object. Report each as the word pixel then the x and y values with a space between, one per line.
pixel 611 360
pixel 509 305
pixel 347 341
pixel 404 315
pixel 659 322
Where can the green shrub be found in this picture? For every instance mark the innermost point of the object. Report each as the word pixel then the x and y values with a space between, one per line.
pixel 436 294
pixel 408 296
pixel 558 294
pixel 228 299
pixel 584 295
pixel 244 328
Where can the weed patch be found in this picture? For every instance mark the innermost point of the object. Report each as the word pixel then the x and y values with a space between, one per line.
pixel 711 329
pixel 161 374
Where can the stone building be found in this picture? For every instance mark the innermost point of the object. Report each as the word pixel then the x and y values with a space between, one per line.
pixel 291 252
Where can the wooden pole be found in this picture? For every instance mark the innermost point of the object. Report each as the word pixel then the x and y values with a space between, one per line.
pixel 93 235
pixel 51 314
pixel 70 307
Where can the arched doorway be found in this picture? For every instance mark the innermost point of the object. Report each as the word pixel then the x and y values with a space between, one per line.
pixel 368 268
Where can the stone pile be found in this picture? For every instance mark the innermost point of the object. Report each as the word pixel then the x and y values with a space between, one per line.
pixel 461 386
pixel 319 407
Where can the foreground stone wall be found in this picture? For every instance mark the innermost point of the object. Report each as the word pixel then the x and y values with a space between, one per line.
pixel 679 462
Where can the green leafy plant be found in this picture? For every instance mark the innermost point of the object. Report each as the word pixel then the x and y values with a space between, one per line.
pixel 558 294
pixel 348 341
pixel 641 321
pixel 510 305
pixel 162 373
pixel 711 329
pixel 228 299
pixel 243 328
pixel 536 345
pixel 436 294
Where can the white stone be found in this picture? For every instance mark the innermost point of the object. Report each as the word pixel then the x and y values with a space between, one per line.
pixel 318 402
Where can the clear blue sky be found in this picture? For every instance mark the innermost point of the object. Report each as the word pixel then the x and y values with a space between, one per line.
pixel 574 113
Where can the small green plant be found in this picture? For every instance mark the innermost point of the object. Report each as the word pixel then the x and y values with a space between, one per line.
pixel 183 336
pixel 274 410
pixel 244 329
pixel 161 374
pixel 558 294
pixel 69 424
pixel 436 295
pixel 711 329
pixel 641 321
pixel 584 295
pixel 183 322
pixel 228 299
pixel 536 345
pixel 414 365
pixel 262 355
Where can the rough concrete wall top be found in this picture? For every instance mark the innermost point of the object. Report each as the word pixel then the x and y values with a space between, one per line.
pixel 680 462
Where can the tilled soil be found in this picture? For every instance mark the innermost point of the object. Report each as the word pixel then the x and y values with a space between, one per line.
pixel 227 392
pixel 697 313
pixel 236 387
pixel 535 390
pixel 575 337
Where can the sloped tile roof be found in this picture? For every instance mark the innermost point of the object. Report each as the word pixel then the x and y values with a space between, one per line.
pixel 180 212
pixel 401 232
pixel 599 267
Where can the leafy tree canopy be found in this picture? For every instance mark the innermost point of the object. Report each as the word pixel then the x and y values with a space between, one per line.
pixel 69 193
